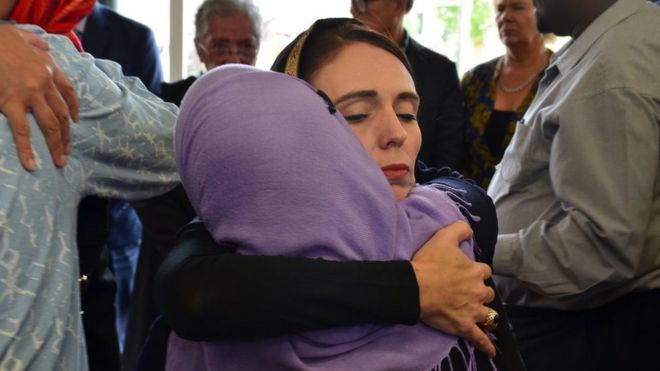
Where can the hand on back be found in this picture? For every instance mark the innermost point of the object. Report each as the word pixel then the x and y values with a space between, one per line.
pixel 31 83
pixel 452 291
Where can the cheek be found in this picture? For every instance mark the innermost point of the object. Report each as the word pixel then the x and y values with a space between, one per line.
pixel 414 141
pixel 367 138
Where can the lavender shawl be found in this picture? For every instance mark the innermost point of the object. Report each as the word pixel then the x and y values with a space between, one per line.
pixel 269 168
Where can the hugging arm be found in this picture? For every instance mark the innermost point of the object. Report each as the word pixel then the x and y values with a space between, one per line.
pixel 208 293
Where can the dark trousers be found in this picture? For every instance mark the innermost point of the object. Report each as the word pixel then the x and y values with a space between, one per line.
pixel 623 335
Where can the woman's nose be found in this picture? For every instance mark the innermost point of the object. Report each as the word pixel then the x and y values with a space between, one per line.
pixel 506 15
pixel 393 134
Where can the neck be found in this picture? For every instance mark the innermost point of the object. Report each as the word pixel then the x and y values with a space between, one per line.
pixel 591 12
pixel 526 55
pixel 396 34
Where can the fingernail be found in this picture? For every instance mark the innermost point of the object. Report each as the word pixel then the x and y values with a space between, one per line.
pixel 31 165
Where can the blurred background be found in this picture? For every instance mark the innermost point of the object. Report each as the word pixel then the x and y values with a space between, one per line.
pixel 463 30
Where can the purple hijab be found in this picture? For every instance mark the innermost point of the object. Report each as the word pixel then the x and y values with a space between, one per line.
pixel 271 168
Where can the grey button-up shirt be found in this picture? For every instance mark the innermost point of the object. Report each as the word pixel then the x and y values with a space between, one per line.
pixel 578 190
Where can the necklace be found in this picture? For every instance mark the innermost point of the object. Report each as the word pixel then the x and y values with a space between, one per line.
pixel 518 88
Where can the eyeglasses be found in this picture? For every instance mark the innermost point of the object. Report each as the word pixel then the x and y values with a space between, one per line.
pixel 361 5
pixel 224 48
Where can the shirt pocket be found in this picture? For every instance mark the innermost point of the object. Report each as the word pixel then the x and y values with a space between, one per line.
pixel 526 157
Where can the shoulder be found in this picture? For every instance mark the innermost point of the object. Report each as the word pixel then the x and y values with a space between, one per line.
pixel 67 58
pixel 628 54
pixel 111 18
pixel 418 52
pixel 480 71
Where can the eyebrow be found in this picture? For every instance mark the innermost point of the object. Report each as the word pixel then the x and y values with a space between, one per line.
pixel 356 95
pixel 406 95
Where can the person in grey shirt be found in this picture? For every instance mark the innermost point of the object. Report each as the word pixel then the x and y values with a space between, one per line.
pixel 578 194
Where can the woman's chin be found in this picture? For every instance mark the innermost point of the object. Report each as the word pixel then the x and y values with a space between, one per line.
pixel 400 192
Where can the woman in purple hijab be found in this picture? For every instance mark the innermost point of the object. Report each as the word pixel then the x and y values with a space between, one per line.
pixel 223 138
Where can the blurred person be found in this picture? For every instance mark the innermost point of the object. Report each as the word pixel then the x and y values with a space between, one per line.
pixel 578 194
pixel 108 35
pixel 226 31
pixel 496 94
pixel 436 80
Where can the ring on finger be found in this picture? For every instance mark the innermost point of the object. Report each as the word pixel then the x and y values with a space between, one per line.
pixel 491 321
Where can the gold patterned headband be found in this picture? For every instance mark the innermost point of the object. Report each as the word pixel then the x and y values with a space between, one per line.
pixel 293 60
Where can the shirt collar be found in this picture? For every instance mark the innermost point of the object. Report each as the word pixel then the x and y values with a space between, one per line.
pixel 620 10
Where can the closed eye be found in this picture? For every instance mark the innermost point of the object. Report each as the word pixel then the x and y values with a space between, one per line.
pixel 357 118
pixel 406 117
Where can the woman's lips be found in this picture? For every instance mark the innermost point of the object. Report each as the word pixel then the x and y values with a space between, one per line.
pixel 396 171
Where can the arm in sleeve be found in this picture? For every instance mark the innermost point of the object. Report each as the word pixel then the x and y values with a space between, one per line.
pixel 124 138
pixel 147 63
pixel 603 165
pixel 207 293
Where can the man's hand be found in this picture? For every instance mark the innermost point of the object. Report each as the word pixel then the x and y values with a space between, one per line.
pixel 30 82
pixel 452 292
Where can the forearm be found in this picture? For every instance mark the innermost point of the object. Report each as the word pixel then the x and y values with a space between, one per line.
pixel 207 293
pixel 124 138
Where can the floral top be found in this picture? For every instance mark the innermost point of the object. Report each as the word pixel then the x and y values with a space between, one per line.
pixel 479 86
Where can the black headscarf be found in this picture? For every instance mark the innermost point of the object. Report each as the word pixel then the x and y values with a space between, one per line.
pixel 288 60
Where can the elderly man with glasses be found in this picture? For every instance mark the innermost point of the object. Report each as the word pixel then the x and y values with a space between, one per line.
pixel 436 79
pixel 226 31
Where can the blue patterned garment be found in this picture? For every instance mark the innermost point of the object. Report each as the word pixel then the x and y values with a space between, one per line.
pixel 122 148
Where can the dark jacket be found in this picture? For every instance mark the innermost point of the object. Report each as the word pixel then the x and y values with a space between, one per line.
pixel 109 35
pixel 440 115
pixel 173 92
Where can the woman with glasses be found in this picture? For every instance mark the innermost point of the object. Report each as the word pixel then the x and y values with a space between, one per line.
pixel 232 297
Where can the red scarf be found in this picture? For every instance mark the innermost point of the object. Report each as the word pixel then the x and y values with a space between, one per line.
pixel 54 16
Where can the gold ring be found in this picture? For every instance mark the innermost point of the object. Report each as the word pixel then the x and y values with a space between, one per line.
pixel 492 320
